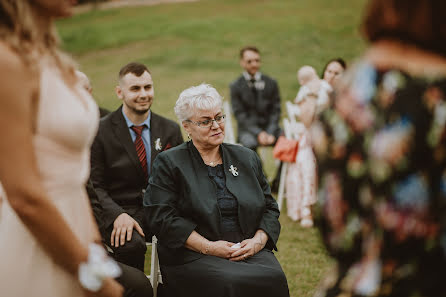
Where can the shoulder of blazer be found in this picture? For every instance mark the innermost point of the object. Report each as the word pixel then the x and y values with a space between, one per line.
pixel 239 151
pixel 177 152
pixel 113 117
pixel 237 148
pixel 268 79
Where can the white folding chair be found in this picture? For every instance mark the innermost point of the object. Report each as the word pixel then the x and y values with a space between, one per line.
pixel 154 277
pixel 283 172
pixel 229 129
pixel 293 112
pixel 155 273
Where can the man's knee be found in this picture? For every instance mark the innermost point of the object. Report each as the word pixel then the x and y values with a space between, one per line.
pixel 135 282
pixel 248 140
pixel 136 245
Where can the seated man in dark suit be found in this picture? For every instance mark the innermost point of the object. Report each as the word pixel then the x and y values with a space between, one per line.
pixel 255 100
pixel 134 281
pixel 127 142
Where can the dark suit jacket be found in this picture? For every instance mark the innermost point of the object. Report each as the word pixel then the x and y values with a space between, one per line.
pixel 96 207
pixel 256 114
pixel 181 198
pixel 116 172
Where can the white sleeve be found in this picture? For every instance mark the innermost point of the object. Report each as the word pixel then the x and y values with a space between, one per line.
pixel 303 91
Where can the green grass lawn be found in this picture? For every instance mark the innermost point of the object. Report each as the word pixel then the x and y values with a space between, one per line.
pixel 186 44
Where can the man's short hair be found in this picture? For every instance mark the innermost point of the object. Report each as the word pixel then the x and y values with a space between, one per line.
pixel 248 48
pixel 135 68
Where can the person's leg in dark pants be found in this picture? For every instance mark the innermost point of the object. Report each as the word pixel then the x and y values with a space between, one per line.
pixel 276 181
pixel 135 282
pixel 248 140
pixel 132 252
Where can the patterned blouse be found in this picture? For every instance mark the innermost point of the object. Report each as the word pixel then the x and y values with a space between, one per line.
pixel 381 155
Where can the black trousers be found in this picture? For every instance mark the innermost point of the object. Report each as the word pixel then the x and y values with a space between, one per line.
pixel 258 276
pixel 135 282
pixel 132 253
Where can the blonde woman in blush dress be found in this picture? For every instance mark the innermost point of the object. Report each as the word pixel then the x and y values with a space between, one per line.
pixel 47 123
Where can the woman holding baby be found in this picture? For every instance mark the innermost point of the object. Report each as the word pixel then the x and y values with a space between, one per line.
pixel 211 208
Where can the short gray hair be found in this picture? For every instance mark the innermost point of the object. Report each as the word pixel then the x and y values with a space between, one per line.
pixel 204 97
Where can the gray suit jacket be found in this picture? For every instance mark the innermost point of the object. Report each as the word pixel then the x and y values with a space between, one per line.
pixel 256 114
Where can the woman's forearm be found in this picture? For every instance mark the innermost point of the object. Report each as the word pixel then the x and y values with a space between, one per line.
pixel 197 243
pixel 260 238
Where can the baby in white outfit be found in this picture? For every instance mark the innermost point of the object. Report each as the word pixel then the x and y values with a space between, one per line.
pixel 312 85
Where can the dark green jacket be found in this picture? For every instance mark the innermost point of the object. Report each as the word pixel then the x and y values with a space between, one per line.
pixel 181 198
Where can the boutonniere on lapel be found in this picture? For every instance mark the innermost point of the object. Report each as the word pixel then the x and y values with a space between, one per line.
pixel 259 85
pixel 233 170
pixel 158 144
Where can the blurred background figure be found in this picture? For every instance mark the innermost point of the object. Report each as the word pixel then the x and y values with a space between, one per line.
pixel 383 168
pixel 85 82
pixel 333 70
pixel 255 100
pixel 312 86
pixel 47 124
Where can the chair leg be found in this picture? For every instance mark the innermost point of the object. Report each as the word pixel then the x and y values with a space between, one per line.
pixel 154 267
pixel 282 184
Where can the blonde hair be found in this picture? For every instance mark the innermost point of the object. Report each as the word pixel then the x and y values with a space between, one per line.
pixel 17 30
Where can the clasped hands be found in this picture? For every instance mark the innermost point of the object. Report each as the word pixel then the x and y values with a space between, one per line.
pixel 236 252
pixel 265 139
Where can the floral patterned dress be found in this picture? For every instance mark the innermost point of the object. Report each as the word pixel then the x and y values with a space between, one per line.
pixel 381 155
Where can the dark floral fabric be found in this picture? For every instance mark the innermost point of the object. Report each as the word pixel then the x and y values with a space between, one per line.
pixel 381 154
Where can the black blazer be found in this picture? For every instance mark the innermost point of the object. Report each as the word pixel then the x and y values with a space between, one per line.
pixel 181 198
pixel 256 114
pixel 116 172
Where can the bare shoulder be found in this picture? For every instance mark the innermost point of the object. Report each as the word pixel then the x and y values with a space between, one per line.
pixel 10 60
pixel 15 76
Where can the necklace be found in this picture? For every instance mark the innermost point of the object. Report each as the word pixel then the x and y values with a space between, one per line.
pixel 213 163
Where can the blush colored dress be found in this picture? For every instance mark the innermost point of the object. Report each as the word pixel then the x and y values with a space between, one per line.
pixel 301 176
pixel 67 120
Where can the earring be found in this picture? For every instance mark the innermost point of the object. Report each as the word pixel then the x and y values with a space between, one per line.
pixel 188 136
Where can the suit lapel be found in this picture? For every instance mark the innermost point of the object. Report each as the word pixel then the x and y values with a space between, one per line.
pixel 122 133
pixel 155 134
pixel 251 100
pixel 232 181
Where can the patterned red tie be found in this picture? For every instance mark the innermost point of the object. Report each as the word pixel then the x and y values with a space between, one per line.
pixel 141 149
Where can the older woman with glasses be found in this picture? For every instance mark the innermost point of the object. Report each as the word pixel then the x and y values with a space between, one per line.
pixel 211 208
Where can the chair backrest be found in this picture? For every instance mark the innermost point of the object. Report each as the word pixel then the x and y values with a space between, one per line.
pixel 154 277
pixel 281 191
pixel 155 273
pixel 287 127
pixel 293 111
pixel 229 129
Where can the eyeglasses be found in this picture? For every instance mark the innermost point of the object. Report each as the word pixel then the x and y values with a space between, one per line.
pixel 208 123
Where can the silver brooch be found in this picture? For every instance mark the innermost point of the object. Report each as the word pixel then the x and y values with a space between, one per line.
pixel 233 170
